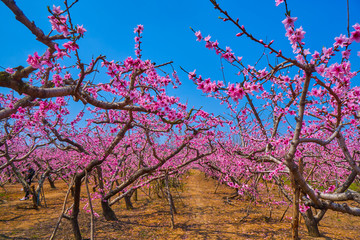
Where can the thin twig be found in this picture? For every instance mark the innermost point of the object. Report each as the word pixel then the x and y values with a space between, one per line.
pixel 222 70
pixel 91 207
pixel 247 212
pixel 282 217
pixel 63 208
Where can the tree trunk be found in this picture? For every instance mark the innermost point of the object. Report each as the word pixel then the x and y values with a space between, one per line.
pixel 311 223
pixel 295 218
pixel 34 198
pixel 51 182
pixel 40 186
pixel 76 228
pixel 170 199
pixel 128 203
pixel 296 202
pixel 75 210
pixel 20 178
pixel 108 213
pixel 135 195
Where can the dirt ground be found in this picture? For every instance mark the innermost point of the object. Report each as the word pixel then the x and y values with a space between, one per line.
pixel 202 214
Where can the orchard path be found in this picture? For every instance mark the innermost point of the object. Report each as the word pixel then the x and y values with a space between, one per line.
pixel 202 214
pixel 209 215
pixel 199 200
pixel 203 208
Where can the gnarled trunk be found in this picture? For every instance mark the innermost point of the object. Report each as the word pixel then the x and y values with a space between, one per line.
pixel 76 228
pixel 170 199
pixel 75 210
pixel 51 182
pixel 108 213
pixel 128 203
pixel 311 223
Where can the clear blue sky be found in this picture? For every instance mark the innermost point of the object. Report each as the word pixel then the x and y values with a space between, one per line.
pixel 167 36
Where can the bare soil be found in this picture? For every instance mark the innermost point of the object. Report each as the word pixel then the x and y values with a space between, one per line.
pixel 202 214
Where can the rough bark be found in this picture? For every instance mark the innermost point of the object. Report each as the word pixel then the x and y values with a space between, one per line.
pixel 170 200
pixel 51 182
pixel 40 186
pixel 79 176
pixel 107 212
pixel 128 202
pixel 311 223
pixel 75 210
pixel 295 218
